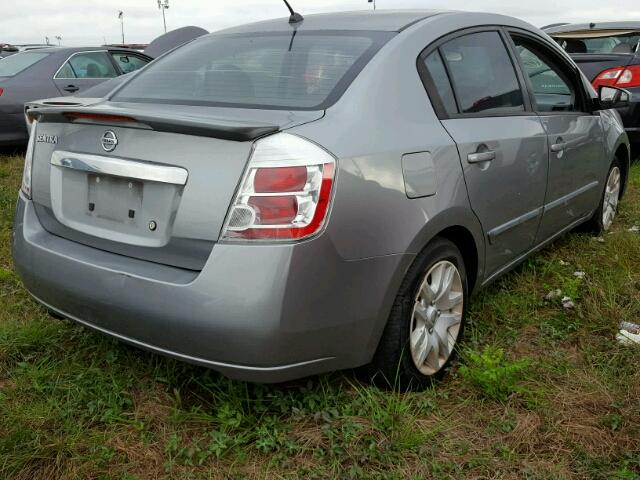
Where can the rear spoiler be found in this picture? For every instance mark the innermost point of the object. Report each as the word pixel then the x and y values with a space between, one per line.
pixel 200 126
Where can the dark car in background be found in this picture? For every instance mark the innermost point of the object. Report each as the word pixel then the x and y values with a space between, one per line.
pixel 71 77
pixel 7 49
pixel 52 72
pixel 608 54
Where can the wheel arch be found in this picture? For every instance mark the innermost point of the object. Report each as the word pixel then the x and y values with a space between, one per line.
pixel 461 227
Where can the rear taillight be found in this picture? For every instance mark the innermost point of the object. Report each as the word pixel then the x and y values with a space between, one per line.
pixel 1 91
pixel 618 77
pixel 285 193
pixel 28 162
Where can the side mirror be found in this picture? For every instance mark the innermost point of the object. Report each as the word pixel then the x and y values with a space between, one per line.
pixel 613 97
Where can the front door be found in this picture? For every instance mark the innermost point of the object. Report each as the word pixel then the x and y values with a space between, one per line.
pixel 502 144
pixel 575 136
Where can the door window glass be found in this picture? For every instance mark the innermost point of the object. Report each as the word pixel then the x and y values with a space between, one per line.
pixel 92 65
pixel 441 81
pixel 66 72
pixel 551 90
pixel 128 63
pixel 483 76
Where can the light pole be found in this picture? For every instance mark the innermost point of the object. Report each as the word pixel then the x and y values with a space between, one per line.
pixel 164 5
pixel 121 17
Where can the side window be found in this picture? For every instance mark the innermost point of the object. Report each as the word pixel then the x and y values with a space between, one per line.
pixel 66 72
pixel 551 88
pixel 92 65
pixel 438 75
pixel 128 62
pixel 482 73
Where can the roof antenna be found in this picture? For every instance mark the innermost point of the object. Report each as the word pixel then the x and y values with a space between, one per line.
pixel 295 16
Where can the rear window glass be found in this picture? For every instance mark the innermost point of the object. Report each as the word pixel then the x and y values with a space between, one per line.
pixel 14 64
pixel 303 71
pixel 601 44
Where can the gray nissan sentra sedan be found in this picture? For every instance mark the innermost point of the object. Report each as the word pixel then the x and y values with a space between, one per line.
pixel 283 199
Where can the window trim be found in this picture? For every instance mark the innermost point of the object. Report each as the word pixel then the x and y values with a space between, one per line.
pixel 433 93
pixel 568 70
pixel 55 75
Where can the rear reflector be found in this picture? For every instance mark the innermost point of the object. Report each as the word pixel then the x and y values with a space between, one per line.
pixel 285 193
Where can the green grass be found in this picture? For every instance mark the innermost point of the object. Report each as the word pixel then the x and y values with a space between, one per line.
pixel 539 392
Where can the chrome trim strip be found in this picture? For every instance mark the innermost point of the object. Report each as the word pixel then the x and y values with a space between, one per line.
pixel 119 167
pixel 500 229
pixel 556 203
pixel 536 248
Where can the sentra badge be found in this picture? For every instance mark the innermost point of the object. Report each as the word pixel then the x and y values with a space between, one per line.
pixel 44 138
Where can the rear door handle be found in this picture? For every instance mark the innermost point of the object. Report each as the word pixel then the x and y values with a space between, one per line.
pixel 480 157
pixel 71 88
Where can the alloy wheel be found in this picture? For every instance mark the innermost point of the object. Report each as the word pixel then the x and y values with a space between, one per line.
pixel 611 197
pixel 436 318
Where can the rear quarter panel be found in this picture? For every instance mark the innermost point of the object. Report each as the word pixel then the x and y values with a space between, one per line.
pixel 384 114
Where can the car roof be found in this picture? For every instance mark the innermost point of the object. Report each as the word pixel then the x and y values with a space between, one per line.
pixel 380 20
pixel 70 50
pixel 583 27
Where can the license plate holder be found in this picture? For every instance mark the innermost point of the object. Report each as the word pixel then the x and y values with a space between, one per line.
pixel 114 198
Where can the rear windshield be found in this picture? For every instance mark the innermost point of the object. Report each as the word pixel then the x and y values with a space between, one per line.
pixel 627 43
pixel 14 64
pixel 288 71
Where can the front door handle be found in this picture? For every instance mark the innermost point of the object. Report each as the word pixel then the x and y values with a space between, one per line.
pixel 559 146
pixel 480 157
pixel 71 88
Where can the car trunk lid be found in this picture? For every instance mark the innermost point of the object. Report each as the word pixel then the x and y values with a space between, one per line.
pixel 148 183
pixel 593 64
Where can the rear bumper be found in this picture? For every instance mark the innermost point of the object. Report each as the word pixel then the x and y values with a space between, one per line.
pixel 13 129
pixel 265 313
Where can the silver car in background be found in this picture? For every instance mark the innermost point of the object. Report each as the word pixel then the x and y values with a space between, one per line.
pixel 293 197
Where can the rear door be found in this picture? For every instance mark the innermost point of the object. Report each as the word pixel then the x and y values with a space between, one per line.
pixel 83 70
pixel 502 144
pixel 574 134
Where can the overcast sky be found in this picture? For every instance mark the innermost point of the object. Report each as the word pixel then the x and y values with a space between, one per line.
pixel 94 22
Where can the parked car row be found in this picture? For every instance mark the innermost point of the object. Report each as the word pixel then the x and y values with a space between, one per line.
pixel 7 49
pixel 41 73
pixel 297 196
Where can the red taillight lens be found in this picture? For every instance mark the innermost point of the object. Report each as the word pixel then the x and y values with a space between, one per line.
pixel 281 179
pixel 275 210
pixel 285 193
pixel 1 91
pixel 618 77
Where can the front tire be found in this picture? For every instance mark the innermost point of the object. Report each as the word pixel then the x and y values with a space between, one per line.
pixel 426 320
pixel 605 214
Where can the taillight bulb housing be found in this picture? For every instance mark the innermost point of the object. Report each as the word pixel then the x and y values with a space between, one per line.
pixel 285 193
pixel 28 162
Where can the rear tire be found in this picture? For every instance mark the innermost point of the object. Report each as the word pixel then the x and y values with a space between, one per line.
pixel 426 320
pixel 605 214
